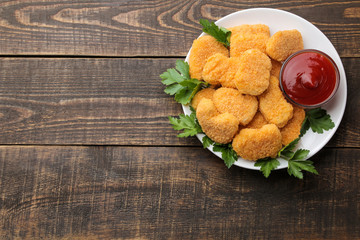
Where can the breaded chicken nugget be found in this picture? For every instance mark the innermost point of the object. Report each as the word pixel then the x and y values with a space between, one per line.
pixel 250 29
pixel 291 131
pixel 215 68
pixel 221 128
pixel 202 48
pixel 275 68
pixel 245 37
pixel 254 144
pixel 258 121
pixel 274 106
pixel 228 79
pixel 284 43
pixel 254 72
pixel 204 93
pixel 221 69
pixel 248 41
pixel 230 100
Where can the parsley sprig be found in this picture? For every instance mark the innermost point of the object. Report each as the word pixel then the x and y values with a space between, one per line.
pixel 227 152
pixel 187 123
pixel 267 165
pixel 219 33
pixel 180 84
pixel 296 161
pixel 190 127
pixel 318 120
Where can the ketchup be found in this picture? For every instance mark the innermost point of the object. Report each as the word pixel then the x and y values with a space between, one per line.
pixel 309 78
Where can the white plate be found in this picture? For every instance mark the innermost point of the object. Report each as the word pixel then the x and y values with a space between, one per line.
pixel 313 38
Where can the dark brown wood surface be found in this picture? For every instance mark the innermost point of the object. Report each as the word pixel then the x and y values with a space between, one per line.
pixel 86 150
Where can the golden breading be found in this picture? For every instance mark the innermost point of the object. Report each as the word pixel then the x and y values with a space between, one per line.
pixel 275 68
pixel 250 29
pixel 254 72
pixel 291 131
pixel 258 121
pixel 284 43
pixel 221 128
pixel 228 79
pixel 204 93
pixel 274 106
pixel 245 37
pixel 201 50
pixel 230 100
pixel 254 144
pixel 215 68
pixel 245 42
pixel 220 69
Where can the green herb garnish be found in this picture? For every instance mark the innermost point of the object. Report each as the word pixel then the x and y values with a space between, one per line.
pixel 267 165
pixel 187 123
pixel 296 161
pixel 227 153
pixel 295 167
pixel 221 34
pixel 318 120
pixel 180 84
pixel 207 142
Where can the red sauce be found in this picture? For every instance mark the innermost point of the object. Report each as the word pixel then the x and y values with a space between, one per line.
pixel 309 78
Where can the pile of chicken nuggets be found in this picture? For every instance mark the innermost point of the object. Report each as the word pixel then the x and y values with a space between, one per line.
pixel 244 104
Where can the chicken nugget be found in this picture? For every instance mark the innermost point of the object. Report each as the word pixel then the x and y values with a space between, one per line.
pixel 291 131
pixel 275 68
pixel 248 41
pixel 253 74
pixel 215 68
pixel 221 128
pixel 246 36
pixel 274 106
pixel 201 50
pixel 228 79
pixel 220 69
pixel 230 100
pixel 254 144
pixel 203 93
pixel 284 43
pixel 250 29
pixel 258 121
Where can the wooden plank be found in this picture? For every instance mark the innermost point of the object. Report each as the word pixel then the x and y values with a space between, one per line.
pixel 108 101
pixel 142 28
pixel 171 193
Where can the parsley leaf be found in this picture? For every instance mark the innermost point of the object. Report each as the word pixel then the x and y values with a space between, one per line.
pixel 187 123
pixel 221 34
pixel 227 153
pixel 267 165
pixel 287 151
pixel 207 142
pixel 304 127
pixel 296 160
pixel 318 120
pixel 300 154
pixel 180 84
pixel 295 167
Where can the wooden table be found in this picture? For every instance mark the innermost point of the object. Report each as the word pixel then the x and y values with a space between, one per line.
pixel 87 150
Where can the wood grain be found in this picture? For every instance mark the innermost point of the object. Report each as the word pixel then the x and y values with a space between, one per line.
pixel 143 28
pixel 108 101
pixel 171 193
